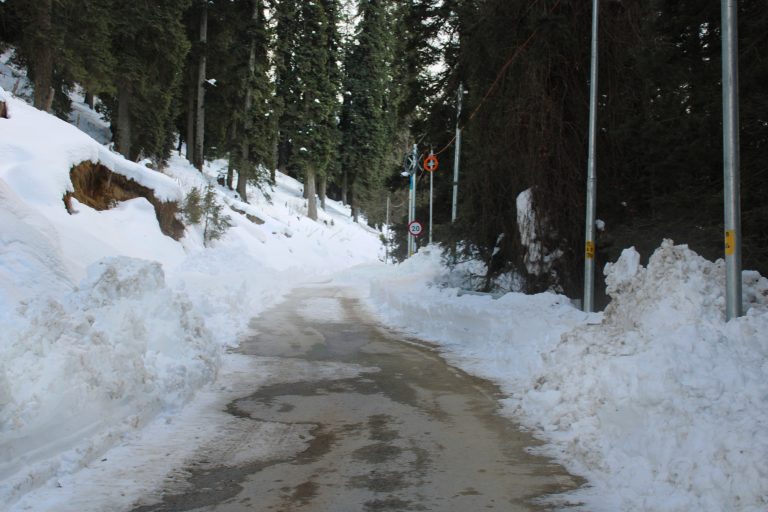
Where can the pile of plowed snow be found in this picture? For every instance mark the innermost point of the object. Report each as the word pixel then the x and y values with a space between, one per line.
pixel 106 322
pixel 660 403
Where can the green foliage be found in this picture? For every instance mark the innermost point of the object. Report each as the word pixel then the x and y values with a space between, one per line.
pixel 149 45
pixel 206 210
pixel 61 42
pixel 364 123
pixel 286 80
pixel 239 122
pixel 659 158
pixel 192 208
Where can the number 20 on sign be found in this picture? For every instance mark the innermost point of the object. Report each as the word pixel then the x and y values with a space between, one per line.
pixel 415 228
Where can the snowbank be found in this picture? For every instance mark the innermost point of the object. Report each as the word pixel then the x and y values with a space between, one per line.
pixel 664 404
pixel 38 150
pixel 496 338
pixel 81 369
pixel 661 405
pixel 107 323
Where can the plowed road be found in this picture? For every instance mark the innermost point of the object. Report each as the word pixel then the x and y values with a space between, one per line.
pixel 396 429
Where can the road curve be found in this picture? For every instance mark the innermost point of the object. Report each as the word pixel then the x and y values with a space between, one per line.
pixel 408 432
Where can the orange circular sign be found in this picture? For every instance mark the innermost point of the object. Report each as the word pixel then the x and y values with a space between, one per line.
pixel 430 163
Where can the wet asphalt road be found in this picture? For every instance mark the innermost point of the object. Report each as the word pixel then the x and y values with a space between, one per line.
pixel 409 433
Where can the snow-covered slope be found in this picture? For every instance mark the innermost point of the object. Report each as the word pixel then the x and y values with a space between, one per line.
pixel 105 321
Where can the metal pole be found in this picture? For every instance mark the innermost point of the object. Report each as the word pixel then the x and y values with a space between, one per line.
pixel 413 210
pixel 412 201
pixel 589 246
pixel 431 177
pixel 731 164
pixel 457 155
pixel 410 215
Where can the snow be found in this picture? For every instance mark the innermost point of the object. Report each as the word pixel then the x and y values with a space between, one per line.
pixel 659 402
pixel 115 339
pixel 600 225
pixel 110 328
pixel 538 259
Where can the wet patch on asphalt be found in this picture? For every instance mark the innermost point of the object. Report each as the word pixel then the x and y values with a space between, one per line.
pixel 415 435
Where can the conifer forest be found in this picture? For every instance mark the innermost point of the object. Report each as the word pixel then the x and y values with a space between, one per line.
pixel 337 92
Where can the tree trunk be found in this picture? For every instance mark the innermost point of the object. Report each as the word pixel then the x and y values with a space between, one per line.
pixel 352 204
pixel 230 172
pixel 191 122
pixel 245 164
pixel 242 182
pixel 276 155
pixel 310 190
pixel 123 141
pixel 344 187
pixel 322 185
pixel 200 121
pixel 90 100
pixel 242 170
pixel 282 154
pixel 42 64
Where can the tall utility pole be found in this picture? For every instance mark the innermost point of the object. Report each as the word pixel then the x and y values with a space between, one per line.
pixel 589 245
pixel 731 157
pixel 457 154
pixel 431 190
pixel 412 199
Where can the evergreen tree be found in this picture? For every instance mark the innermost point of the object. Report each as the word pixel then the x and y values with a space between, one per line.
pixel 334 48
pixel 313 138
pixel 149 45
pixel 286 81
pixel 365 136
pixel 239 124
pixel 258 123
pixel 61 43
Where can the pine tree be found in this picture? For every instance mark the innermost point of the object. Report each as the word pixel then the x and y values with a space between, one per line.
pixel 364 123
pixel 149 45
pixel 315 103
pixel 258 123
pixel 286 83
pixel 62 43
pixel 333 133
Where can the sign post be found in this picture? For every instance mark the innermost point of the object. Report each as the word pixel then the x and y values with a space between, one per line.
pixel 456 156
pixel 430 165
pixel 589 245
pixel 731 157
pixel 412 164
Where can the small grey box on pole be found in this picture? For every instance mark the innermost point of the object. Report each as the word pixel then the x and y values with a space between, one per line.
pixel 731 159
pixel 589 245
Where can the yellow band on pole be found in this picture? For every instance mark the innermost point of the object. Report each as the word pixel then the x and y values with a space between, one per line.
pixel 730 242
pixel 590 250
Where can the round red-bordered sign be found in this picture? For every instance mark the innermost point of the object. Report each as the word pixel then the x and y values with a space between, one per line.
pixel 430 163
pixel 415 228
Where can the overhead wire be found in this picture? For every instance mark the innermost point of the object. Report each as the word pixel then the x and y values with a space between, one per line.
pixel 517 52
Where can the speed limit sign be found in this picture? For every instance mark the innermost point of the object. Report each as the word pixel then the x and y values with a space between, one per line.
pixel 415 228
